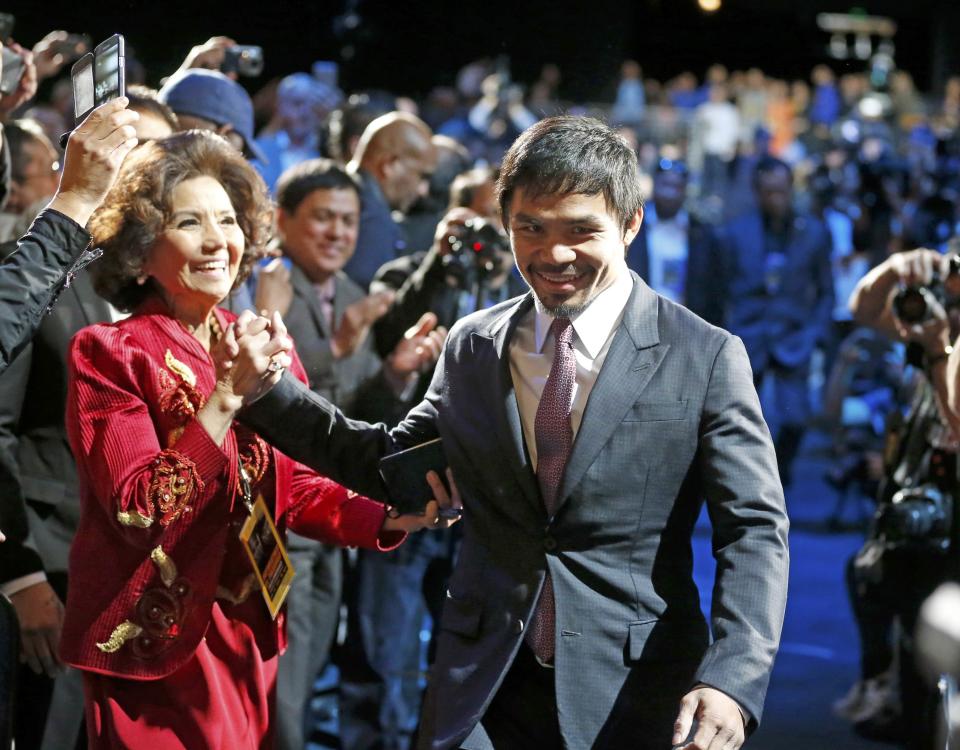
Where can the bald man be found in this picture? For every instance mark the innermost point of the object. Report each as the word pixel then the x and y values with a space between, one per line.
pixel 393 162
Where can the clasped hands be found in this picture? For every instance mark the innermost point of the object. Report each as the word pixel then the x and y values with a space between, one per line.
pixel 250 359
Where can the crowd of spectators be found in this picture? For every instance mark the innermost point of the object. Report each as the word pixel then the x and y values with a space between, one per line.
pixel 767 202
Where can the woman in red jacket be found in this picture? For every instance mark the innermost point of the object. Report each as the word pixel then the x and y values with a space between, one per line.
pixel 165 614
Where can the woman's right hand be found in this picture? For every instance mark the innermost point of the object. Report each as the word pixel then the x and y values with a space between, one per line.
pixel 95 152
pixel 251 357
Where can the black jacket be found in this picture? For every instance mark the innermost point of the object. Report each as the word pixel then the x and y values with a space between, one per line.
pixel 33 274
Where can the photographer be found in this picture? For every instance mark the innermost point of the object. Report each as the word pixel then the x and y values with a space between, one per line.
pixel 449 277
pixel 911 297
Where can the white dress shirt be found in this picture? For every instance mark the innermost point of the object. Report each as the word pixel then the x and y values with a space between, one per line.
pixel 668 251
pixel 532 349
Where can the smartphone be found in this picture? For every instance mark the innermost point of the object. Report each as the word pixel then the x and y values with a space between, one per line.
pixel 98 76
pixel 243 59
pixel 109 80
pixel 404 475
pixel 12 71
pixel 82 76
pixel 6 26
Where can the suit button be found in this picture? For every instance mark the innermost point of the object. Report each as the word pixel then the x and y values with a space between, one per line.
pixel 549 543
pixel 518 627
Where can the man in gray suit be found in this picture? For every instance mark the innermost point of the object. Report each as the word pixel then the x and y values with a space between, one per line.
pixel 585 424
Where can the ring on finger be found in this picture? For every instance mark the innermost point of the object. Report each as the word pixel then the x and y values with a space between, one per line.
pixel 275 364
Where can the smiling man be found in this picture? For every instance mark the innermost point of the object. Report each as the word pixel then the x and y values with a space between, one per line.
pixel 586 423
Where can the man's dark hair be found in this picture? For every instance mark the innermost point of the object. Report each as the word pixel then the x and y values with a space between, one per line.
pixel 302 179
pixel 144 99
pixel 566 155
pixel 767 164
pixel 348 121
pixel 465 186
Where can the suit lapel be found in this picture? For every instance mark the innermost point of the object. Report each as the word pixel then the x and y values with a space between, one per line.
pixel 308 293
pixel 502 398
pixel 634 356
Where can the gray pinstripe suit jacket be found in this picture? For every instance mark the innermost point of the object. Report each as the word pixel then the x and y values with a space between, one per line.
pixel 672 421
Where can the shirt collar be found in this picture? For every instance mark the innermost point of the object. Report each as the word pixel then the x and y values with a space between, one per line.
pixel 326 289
pixel 594 324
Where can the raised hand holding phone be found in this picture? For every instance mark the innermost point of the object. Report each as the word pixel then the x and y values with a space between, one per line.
pixel 95 151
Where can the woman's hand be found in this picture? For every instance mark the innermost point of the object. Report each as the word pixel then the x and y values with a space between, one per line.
pixel 440 513
pixel 251 358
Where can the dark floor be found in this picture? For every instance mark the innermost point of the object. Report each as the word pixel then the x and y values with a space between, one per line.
pixel 818 658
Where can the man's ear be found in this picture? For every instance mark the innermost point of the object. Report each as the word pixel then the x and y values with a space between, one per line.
pixel 282 218
pixel 633 227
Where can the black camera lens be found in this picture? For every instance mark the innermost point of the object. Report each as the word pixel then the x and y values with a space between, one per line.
pixel 910 305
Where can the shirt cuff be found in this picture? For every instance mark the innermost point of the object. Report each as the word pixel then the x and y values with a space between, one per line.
pixel 17 585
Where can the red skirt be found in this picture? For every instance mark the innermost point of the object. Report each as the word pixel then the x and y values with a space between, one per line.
pixel 221 699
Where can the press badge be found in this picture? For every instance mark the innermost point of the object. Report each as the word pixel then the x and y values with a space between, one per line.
pixel 266 550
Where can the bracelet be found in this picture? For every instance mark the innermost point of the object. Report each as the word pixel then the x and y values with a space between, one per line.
pixel 930 361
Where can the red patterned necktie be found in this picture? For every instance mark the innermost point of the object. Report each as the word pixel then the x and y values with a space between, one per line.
pixel 554 436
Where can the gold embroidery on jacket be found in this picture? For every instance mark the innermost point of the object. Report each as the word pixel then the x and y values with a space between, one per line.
pixel 134 518
pixel 120 635
pixel 166 566
pixel 179 368
pixel 175 481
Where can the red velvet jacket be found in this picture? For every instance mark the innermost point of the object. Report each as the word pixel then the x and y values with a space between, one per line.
pixel 160 505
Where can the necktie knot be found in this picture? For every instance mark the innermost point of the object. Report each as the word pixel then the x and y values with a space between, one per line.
pixel 562 330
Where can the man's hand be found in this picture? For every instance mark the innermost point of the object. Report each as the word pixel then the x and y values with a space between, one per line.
pixel 54 51
pixel 26 88
pixel 419 348
pixel 356 322
pixel 40 614
pixel 719 721
pixel 914 267
pixel 208 55
pixel 95 152
pixel 432 518
pixel 274 290
pixel 449 229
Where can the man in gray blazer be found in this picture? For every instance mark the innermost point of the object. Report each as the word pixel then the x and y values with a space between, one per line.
pixel 585 423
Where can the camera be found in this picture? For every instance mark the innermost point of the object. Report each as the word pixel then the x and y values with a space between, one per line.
pixel 243 59
pixel 912 304
pixel 918 514
pixel 478 248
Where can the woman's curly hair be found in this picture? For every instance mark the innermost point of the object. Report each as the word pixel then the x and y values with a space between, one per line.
pixel 137 209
